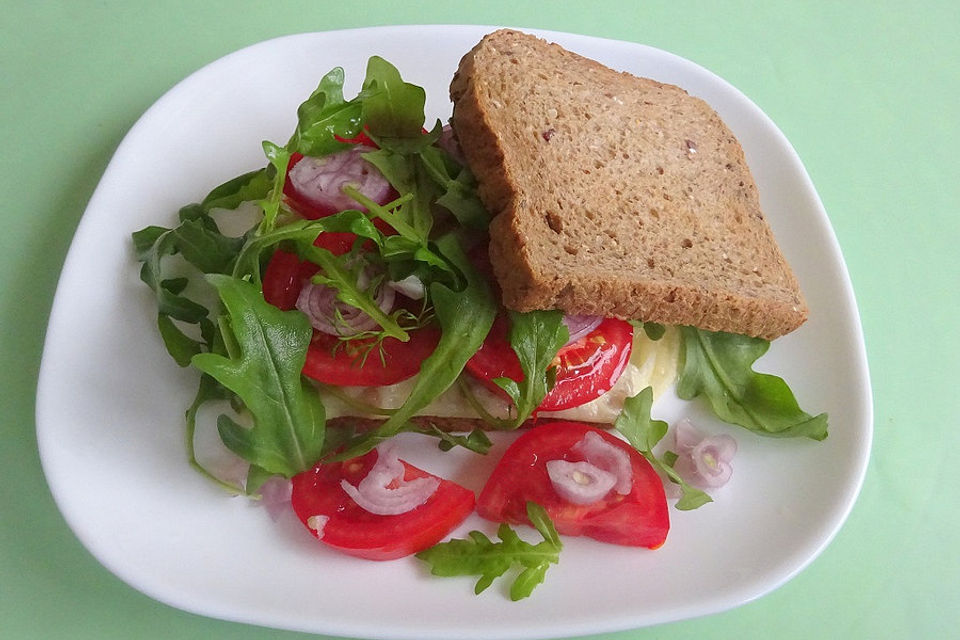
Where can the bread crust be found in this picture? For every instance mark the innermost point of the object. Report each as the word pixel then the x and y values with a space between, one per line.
pixel 616 195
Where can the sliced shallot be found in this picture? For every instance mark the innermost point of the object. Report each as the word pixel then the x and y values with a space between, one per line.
pixel 607 457
pixel 384 492
pixel 579 482
pixel 275 496
pixel 329 315
pixel 703 461
pixel 411 286
pixel 320 181
pixel 579 326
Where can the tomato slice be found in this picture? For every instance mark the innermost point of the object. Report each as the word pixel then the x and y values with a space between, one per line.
pixel 356 531
pixel 639 518
pixel 353 363
pixel 360 363
pixel 586 369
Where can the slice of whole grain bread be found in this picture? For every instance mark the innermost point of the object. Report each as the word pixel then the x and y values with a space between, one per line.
pixel 616 195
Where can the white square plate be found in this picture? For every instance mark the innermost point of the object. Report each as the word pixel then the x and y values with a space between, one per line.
pixel 110 402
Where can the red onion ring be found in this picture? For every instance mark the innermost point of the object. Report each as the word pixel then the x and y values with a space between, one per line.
pixel 329 315
pixel 579 482
pixel 704 461
pixel 320 181
pixel 711 458
pixel 580 325
pixel 608 457
pixel 384 492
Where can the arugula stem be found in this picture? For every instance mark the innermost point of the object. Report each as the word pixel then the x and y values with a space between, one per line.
pixel 279 157
pixel 226 335
pixel 248 260
pixel 385 212
pixel 477 406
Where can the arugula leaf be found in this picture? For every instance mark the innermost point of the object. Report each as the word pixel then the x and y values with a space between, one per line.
pixel 405 174
pixel 393 109
pixel 536 337
pixel 287 436
pixel 167 291
pixel 256 477
pixel 176 285
pixel 180 346
pixel 465 318
pixel 324 116
pixel 303 233
pixel 144 239
pixel 410 243
pixel 643 434
pixel 248 187
pixel 208 390
pixel 654 330
pixel 206 249
pixel 432 176
pixel 719 365
pixel 198 241
pixel 279 158
pixel 459 187
pixel 480 556
pixel 247 264
pixel 351 221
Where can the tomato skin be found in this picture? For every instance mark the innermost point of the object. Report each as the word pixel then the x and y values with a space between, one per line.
pixel 639 518
pixel 284 278
pixel 355 531
pixel 586 369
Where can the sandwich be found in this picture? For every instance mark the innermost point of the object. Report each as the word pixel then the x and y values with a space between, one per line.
pixel 616 195
pixel 572 244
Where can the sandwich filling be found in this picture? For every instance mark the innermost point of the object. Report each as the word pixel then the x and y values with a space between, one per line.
pixel 653 363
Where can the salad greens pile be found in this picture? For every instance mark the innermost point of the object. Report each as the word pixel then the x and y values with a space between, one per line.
pixel 212 314
pixel 250 352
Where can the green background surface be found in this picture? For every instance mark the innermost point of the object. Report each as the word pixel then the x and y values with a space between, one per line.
pixel 867 92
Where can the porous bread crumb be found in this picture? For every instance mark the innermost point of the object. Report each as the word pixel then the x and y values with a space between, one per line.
pixel 616 195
